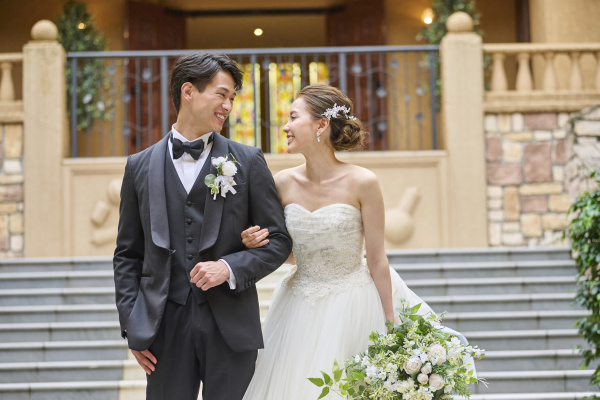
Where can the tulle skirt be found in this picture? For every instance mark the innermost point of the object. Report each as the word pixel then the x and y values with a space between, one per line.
pixel 304 337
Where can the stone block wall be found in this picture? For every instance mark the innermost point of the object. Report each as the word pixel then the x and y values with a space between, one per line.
pixel 11 190
pixel 526 166
pixel 582 151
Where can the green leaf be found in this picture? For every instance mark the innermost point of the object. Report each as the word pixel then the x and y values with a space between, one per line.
pixel 317 381
pixel 337 372
pixel 325 392
pixel 209 179
pixel 416 308
pixel 327 378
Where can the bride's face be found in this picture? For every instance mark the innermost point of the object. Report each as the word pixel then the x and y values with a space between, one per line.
pixel 301 128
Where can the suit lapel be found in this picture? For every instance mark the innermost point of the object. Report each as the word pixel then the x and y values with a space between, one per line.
pixel 159 223
pixel 213 210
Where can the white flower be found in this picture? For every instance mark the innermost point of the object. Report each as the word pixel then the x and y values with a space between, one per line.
pixel 87 98
pixel 357 358
pixel 371 371
pixel 436 382
pixel 229 169
pixel 437 354
pixel 426 368
pixel 423 378
pixel 218 160
pixel 455 341
pixel 100 105
pixel 424 358
pixel 412 365
pixel 387 385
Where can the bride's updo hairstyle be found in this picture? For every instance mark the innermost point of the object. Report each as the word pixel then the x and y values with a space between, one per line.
pixel 347 132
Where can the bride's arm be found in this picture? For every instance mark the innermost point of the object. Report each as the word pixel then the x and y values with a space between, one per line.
pixel 373 216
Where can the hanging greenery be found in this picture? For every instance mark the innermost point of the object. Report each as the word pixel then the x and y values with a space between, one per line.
pixel 584 233
pixel 436 30
pixel 76 32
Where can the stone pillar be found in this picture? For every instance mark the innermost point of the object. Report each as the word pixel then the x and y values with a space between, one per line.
pixel 45 129
pixel 462 107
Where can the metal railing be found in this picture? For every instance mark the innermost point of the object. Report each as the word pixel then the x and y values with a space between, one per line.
pixel 119 102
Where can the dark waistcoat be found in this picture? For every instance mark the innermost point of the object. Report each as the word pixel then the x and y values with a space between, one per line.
pixel 185 213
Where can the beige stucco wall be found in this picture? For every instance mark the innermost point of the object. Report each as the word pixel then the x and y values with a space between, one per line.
pixel 91 195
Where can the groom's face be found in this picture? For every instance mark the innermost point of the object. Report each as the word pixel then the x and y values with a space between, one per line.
pixel 210 108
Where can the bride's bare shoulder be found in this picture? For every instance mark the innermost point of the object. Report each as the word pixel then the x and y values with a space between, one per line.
pixel 287 175
pixel 362 176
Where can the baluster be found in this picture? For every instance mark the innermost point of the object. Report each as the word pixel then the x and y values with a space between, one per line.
pixel 598 71
pixel 499 82
pixel 7 88
pixel 549 77
pixel 575 83
pixel 524 81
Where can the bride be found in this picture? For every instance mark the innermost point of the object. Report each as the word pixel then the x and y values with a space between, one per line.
pixel 328 304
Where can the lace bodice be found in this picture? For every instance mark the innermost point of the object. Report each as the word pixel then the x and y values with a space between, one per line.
pixel 328 249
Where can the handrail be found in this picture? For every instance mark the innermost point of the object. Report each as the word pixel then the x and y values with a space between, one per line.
pixel 257 51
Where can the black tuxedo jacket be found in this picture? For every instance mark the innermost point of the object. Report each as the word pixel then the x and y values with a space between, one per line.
pixel 142 256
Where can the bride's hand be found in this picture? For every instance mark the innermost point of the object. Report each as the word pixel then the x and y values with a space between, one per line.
pixel 254 237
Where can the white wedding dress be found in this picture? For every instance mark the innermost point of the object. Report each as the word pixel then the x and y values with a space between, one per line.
pixel 324 309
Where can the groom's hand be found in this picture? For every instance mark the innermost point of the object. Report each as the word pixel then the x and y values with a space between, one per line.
pixel 145 359
pixel 209 274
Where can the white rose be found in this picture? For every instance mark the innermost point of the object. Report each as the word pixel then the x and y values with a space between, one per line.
pixel 218 160
pixel 423 379
pixel 436 382
pixel 229 169
pixel 437 354
pixel 412 365
pixel 426 368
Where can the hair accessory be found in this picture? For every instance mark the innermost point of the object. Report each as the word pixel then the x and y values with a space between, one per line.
pixel 333 112
pixel 318 136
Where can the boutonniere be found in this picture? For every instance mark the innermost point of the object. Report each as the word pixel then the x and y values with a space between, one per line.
pixel 224 180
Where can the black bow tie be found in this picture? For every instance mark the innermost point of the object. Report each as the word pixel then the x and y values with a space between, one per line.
pixel 194 148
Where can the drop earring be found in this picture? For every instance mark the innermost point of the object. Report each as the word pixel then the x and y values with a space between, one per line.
pixel 318 136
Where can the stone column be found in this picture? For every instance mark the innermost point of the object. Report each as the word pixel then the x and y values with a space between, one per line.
pixel 462 107
pixel 45 129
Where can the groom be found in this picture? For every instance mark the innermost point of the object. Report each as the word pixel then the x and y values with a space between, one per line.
pixel 185 283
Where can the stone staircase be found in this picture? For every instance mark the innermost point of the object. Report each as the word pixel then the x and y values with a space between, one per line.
pixel 59 333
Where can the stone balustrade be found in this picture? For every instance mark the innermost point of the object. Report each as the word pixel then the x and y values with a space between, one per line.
pixel 535 87
pixel 11 160
pixel 11 109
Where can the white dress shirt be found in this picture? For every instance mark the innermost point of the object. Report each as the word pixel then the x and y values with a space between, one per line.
pixel 188 170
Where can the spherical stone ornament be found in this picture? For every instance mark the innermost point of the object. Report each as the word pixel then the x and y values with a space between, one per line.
pixel 459 22
pixel 44 30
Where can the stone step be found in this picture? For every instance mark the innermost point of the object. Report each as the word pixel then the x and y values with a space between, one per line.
pixel 529 360
pixel 540 339
pixel 513 320
pixel 486 269
pixel 478 254
pixel 57 296
pixel 56 279
pixel 488 286
pixel 20 372
pixel 58 313
pixel 539 381
pixel 88 390
pixel 502 302
pixel 63 351
pixel 56 264
pixel 59 331
pixel 532 396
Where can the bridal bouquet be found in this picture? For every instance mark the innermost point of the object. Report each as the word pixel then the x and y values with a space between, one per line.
pixel 414 360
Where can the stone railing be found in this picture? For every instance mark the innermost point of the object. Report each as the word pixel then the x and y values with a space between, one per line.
pixel 11 160
pixel 536 85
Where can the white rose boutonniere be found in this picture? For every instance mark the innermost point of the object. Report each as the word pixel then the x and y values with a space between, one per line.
pixel 223 181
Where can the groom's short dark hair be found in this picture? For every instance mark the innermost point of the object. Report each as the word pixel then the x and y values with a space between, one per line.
pixel 199 69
